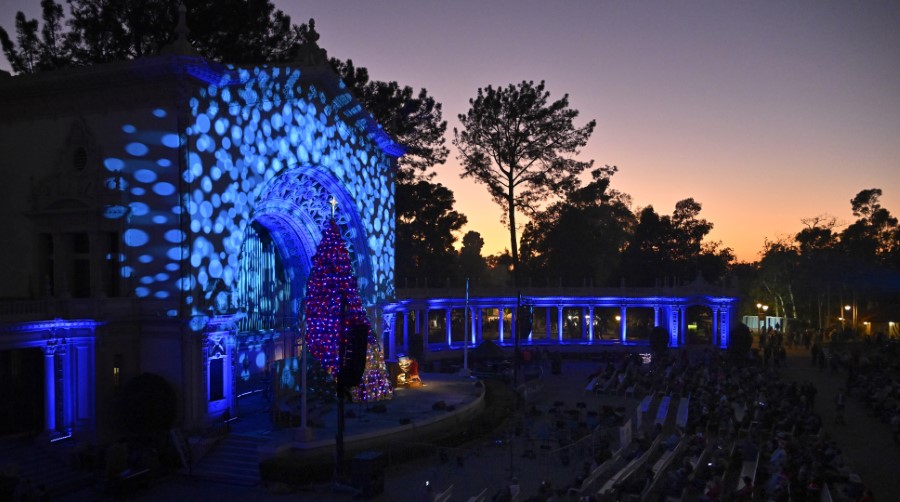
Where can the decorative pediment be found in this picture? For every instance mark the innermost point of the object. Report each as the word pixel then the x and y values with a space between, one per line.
pixel 76 179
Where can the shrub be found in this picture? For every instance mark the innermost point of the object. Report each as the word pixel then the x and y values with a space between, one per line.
pixel 741 341
pixel 659 340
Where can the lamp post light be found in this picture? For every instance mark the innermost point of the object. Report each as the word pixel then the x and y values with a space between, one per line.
pixel 759 318
pixel 846 313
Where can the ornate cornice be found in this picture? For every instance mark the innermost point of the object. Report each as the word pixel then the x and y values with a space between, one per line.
pixel 48 325
pixel 98 88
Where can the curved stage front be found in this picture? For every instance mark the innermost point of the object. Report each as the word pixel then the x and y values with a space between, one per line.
pixel 413 415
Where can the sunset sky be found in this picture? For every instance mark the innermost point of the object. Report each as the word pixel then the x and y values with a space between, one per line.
pixel 766 112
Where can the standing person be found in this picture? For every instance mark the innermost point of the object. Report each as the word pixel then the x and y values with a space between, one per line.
pixel 839 403
pixel 428 493
pixel 746 491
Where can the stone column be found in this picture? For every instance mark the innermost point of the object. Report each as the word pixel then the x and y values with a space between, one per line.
pixel 549 325
pixel 655 316
pixel 590 318
pixel 715 326
pixel 500 326
pixel 391 331
pixel 559 323
pixel 424 331
pixel 448 326
pixel 68 401
pixel 513 319
pixel 50 388
pixel 478 333
pixel 583 322
pixel 724 327
pixel 406 332
pixel 622 324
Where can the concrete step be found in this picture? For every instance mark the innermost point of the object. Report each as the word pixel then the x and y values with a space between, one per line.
pixel 235 460
pixel 42 468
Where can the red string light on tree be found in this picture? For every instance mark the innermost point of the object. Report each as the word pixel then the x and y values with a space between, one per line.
pixel 333 308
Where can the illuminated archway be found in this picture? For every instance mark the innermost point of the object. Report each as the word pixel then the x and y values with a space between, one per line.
pixel 294 208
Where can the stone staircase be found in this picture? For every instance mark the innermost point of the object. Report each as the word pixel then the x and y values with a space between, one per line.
pixel 43 466
pixel 235 460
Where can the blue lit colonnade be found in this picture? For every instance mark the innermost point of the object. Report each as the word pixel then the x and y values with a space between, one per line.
pixel 405 322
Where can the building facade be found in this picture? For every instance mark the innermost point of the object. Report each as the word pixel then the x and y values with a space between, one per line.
pixel 154 209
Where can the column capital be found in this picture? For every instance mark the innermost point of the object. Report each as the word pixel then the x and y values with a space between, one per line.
pixel 54 346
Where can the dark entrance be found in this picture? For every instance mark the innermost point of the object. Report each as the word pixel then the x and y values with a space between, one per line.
pixel 21 391
pixel 699 325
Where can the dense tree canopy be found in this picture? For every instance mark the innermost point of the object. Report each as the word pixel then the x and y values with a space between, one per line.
pixel 520 145
pixel 672 248
pixel 472 265
pixel 579 240
pixel 414 120
pixel 101 31
pixel 811 277
pixel 426 222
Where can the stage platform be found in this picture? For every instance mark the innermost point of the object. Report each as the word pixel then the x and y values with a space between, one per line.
pixel 413 414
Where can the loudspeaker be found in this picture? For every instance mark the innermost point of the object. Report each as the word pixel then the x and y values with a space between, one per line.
pixel 368 473
pixel 523 322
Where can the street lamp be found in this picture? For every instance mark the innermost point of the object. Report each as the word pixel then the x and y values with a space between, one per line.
pixel 760 313
pixel 847 312
pixel 759 318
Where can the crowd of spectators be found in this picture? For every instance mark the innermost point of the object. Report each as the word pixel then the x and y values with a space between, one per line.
pixel 758 434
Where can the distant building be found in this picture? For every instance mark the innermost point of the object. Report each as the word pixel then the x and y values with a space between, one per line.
pixel 153 209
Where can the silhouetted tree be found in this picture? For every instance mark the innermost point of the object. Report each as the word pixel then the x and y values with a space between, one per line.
pixel 101 31
pixel 425 225
pixel 873 235
pixel 580 238
pixel 646 259
pixel 519 144
pixel 499 269
pixel 471 264
pixel 664 247
pixel 779 273
pixel 741 341
pixel 659 340
pixel 414 120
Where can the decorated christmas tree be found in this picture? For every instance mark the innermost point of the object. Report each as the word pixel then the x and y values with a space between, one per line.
pixel 338 331
pixel 375 385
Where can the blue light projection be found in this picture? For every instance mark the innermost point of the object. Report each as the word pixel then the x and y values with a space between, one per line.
pixel 267 146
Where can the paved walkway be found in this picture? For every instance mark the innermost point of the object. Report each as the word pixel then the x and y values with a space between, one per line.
pixel 866 442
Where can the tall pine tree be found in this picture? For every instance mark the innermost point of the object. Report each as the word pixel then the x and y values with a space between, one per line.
pixel 337 322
